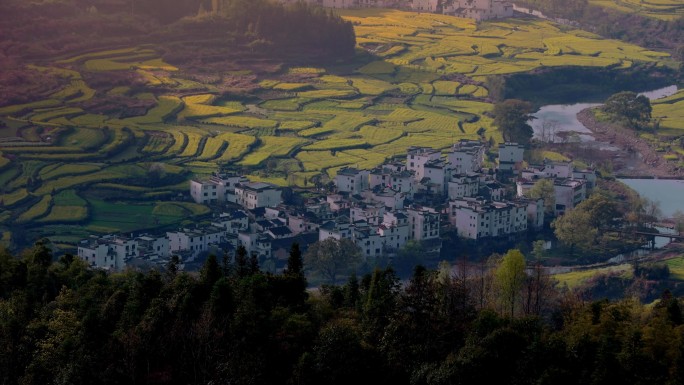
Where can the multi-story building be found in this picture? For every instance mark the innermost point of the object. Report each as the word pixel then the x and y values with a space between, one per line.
pixel 257 244
pixel 436 175
pixel 394 176
pixel 337 202
pixel 569 193
pixel 588 175
pixel 550 169
pixel 368 240
pixel 464 185
pixel 394 230
pixel 195 240
pixel 351 180
pixel 253 195
pixel 233 221
pixel 320 208
pixel 466 156
pixel 302 223
pixel 109 252
pixel 478 9
pixel 535 212
pixel 492 190
pixel 204 192
pixel 218 188
pixel 338 229
pixel 423 223
pixel 418 157
pixel 426 5
pixel 372 213
pixel 151 245
pixel 477 218
pixel 510 156
pixel 390 198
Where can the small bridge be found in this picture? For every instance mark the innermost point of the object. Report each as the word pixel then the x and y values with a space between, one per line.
pixel 671 237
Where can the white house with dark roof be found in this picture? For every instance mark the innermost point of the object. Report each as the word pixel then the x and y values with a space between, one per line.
pixel 569 193
pixel 218 188
pixel 464 185
pixel 153 245
pixel 302 223
pixel 510 156
pixel 418 157
pixel 255 195
pixel 351 180
pixel 338 229
pixel 426 5
pixel 466 156
pixel 390 198
pixel 423 223
pixel 394 176
pixel 394 230
pixel 478 9
pixel 478 218
pixel 436 176
pixel 232 221
pixel 109 252
pixel 372 213
pixel 195 240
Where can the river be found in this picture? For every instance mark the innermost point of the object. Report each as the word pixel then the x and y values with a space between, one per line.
pixel 558 122
pixel 668 193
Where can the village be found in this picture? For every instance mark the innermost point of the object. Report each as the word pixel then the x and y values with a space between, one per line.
pixel 380 210
pixel 473 9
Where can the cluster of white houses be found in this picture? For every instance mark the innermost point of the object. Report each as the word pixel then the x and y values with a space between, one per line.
pixel 473 9
pixel 380 209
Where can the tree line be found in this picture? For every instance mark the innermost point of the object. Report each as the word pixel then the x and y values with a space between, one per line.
pixel 62 323
pixel 277 26
pixel 243 27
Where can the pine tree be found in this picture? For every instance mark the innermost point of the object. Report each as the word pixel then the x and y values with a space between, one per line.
pixel 241 268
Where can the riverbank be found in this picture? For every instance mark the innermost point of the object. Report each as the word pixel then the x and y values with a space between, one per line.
pixel 651 162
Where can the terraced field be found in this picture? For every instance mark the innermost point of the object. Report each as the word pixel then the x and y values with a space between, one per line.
pixel 657 9
pixel 66 165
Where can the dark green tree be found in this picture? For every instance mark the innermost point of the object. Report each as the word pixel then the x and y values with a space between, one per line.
pixel 253 264
pixel 241 262
pixel 512 117
pixel 332 257
pixel 294 290
pixel 408 257
pixel 211 272
pixel 381 290
pixel 635 109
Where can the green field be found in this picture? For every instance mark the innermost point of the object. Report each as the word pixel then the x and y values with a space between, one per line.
pixel 676 266
pixel 576 278
pixel 128 216
pixel 423 85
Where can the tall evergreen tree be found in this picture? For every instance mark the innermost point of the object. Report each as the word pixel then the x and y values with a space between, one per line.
pixel 241 262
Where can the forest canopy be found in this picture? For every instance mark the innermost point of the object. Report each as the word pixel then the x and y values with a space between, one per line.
pixel 61 322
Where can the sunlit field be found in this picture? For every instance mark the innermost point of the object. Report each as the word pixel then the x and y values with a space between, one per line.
pixel 68 159
pixel 658 9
